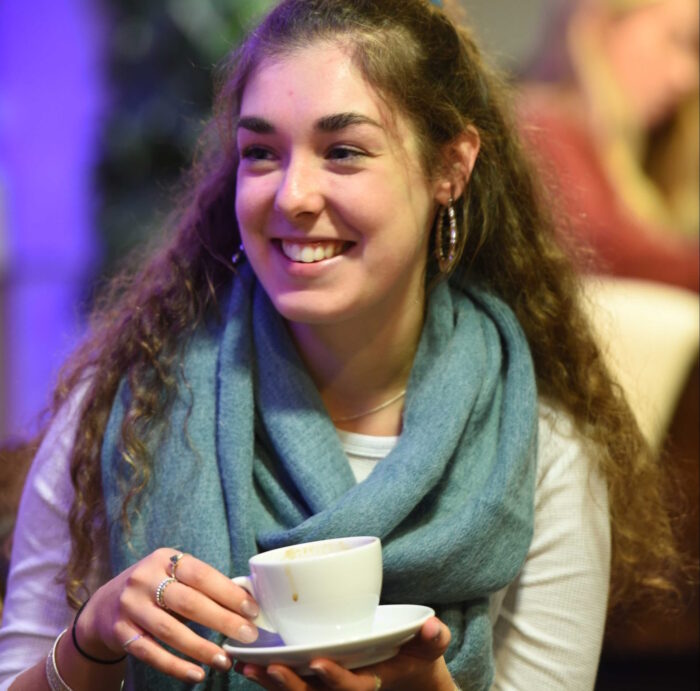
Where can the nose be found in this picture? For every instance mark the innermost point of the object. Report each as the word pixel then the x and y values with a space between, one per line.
pixel 299 192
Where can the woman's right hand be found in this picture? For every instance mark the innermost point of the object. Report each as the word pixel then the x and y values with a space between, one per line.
pixel 125 608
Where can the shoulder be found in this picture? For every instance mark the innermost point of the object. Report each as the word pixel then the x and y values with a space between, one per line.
pixel 571 499
pixel 571 496
pixel 49 475
pixel 560 445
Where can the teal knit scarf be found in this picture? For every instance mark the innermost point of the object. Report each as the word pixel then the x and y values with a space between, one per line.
pixel 250 461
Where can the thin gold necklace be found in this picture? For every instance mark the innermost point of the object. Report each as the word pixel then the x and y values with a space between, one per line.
pixel 376 409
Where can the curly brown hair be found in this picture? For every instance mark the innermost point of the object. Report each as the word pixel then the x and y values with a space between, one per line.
pixel 431 72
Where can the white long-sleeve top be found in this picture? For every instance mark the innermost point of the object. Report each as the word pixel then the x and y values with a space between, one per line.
pixel 548 623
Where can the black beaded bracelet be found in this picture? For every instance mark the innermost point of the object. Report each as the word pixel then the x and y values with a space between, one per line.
pixel 87 656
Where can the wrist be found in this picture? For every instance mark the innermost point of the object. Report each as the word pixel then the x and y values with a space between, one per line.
pixel 89 646
pixel 53 677
pixel 77 673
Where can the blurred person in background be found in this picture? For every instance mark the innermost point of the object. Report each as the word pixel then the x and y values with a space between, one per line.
pixel 609 109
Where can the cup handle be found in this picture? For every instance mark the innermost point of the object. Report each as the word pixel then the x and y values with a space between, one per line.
pixel 260 621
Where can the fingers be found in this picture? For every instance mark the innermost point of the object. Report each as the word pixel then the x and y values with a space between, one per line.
pixel 150 604
pixel 328 675
pixel 207 580
pixel 144 648
pixel 400 672
pixel 277 677
pixel 419 665
pixel 200 594
pixel 336 677
pixel 430 643
pixel 194 605
pixel 169 630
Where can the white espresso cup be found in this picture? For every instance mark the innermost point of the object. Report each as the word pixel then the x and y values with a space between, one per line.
pixel 317 592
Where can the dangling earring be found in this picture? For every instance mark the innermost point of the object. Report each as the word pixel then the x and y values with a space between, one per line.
pixel 445 261
pixel 238 255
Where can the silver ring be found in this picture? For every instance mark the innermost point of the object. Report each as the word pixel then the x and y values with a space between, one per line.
pixel 160 591
pixel 174 561
pixel 133 639
pixel 377 682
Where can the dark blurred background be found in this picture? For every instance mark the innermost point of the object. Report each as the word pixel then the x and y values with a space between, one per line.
pixel 159 57
pixel 101 102
pixel 100 105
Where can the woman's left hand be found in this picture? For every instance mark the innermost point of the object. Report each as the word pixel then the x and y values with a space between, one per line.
pixel 419 665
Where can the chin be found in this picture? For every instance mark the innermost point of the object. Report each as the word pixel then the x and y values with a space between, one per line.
pixel 306 311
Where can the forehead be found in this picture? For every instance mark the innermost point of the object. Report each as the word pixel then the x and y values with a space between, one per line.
pixel 310 83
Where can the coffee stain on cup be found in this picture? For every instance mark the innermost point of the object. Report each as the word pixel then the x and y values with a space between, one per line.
pixel 292 584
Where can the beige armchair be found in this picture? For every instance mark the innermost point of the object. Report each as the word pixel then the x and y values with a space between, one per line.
pixel 649 333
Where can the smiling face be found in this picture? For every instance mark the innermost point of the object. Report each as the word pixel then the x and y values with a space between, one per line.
pixel 333 206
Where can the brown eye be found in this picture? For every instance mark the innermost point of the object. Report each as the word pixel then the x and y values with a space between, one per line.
pixel 257 153
pixel 345 153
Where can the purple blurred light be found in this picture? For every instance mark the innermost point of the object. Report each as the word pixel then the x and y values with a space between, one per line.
pixel 50 101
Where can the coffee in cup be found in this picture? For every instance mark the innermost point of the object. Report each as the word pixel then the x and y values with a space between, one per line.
pixel 317 592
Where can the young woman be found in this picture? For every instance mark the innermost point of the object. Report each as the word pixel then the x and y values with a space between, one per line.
pixel 395 349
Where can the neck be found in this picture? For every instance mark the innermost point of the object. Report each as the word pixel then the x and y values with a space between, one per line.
pixel 360 366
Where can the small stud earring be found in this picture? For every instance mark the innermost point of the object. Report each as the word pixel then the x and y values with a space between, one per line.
pixel 238 255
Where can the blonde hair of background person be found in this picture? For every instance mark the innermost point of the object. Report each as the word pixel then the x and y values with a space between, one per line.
pixel 452 102
pixel 635 64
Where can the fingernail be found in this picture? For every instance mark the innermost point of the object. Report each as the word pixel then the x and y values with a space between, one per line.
pixel 195 674
pixel 251 673
pixel 277 676
pixel 247 634
pixel 221 661
pixel 319 670
pixel 250 609
pixel 434 635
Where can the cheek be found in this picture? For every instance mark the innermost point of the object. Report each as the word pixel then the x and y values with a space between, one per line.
pixel 373 208
pixel 250 205
pixel 241 205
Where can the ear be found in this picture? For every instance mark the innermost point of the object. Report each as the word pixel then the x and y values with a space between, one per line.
pixel 459 157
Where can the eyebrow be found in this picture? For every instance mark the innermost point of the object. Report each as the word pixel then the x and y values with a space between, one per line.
pixel 339 121
pixel 255 124
pixel 328 123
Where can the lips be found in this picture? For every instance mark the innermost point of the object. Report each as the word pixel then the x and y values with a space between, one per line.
pixel 312 252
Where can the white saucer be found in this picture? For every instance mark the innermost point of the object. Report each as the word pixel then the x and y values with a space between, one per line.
pixel 393 626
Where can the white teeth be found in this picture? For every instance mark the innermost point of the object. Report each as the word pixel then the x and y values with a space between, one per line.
pixel 308 253
pixel 292 251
